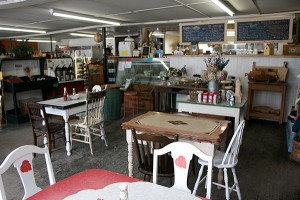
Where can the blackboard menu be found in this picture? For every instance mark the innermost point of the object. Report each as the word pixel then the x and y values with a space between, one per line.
pixel 203 33
pixel 269 30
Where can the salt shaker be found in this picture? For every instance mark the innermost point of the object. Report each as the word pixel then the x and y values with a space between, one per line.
pixel 123 191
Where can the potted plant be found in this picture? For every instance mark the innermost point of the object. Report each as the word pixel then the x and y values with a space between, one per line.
pixel 23 50
pixel 214 73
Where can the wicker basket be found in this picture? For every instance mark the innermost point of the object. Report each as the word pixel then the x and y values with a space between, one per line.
pixel 193 95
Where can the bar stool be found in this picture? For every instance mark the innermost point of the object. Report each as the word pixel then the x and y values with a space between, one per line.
pixel 131 102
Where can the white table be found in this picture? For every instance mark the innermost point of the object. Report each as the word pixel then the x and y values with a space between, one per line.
pixel 222 109
pixel 136 190
pixel 63 108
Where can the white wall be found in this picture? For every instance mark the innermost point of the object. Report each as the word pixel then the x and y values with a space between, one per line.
pixel 239 65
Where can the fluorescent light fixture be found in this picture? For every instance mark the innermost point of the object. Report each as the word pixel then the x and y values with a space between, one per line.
pixel 38 41
pixel 157 32
pixel 82 35
pixel 21 30
pixel 223 7
pixel 82 18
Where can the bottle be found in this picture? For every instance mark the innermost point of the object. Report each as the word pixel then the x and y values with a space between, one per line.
pixel 65 94
pixel 74 92
pixel 123 191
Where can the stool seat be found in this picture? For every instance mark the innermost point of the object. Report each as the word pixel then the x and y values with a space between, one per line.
pixel 130 93
pixel 130 102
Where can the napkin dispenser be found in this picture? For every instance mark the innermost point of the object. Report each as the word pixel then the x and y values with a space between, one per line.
pixel 126 49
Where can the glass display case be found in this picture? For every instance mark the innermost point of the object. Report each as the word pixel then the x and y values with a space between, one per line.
pixel 142 70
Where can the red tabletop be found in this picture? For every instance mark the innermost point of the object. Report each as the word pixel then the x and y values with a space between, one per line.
pixel 89 179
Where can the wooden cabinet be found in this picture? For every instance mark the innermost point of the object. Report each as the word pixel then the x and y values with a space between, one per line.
pixel 145 95
pixel 273 87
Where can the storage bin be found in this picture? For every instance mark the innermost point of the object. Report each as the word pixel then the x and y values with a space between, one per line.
pixel 113 102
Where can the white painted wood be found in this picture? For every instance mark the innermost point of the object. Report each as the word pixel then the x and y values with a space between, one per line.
pixel 136 190
pixel 21 158
pixel 214 109
pixel 182 153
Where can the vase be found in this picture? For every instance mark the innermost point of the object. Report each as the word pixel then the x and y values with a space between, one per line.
pixel 213 86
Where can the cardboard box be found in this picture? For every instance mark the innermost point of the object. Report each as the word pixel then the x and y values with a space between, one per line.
pixel 23 104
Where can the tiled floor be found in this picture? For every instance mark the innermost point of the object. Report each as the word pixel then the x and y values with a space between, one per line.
pixel 264 169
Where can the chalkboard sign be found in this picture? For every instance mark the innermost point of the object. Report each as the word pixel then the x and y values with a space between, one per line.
pixel 263 31
pixel 203 33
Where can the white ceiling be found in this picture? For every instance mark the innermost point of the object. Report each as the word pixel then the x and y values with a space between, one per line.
pixel 132 14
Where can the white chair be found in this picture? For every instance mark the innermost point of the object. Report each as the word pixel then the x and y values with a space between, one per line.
pixel 91 126
pixel 21 158
pixel 226 160
pixel 182 153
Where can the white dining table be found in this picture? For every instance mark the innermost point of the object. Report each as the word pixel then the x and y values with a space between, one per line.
pixel 136 190
pixel 59 107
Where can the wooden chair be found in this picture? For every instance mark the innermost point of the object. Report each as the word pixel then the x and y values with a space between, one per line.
pixel 182 153
pixel 227 160
pixel 91 126
pixel 50 130
pixel 21 158
pixel 144 144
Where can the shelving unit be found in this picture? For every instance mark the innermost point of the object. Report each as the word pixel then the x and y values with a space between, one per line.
pixel 273 87
pixel 112 66
pixel 21 83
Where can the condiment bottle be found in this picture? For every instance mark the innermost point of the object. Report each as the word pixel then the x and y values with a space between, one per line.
pixel 74 92
pixel 123 191
pixel 65 94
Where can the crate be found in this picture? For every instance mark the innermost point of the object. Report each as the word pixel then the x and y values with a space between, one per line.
pixel 23 104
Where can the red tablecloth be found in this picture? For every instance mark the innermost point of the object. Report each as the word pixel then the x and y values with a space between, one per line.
pixel 89 179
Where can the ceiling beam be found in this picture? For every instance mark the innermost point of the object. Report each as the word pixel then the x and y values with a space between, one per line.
pixel 254 4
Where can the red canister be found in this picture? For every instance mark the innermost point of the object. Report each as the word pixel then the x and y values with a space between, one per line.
pixel 205 97
pixel 210 97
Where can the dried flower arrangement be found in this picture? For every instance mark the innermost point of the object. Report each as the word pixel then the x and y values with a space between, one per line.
pixel 214 70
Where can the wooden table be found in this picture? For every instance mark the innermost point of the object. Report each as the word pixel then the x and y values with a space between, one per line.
pixel 188 128
pixel 273 87
pixel 65 109
pixel 220 109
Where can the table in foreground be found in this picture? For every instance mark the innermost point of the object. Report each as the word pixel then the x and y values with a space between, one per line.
pixel 101 184
pixel 202 132
pixel 65 109
pixel 89 179
pixel 222 109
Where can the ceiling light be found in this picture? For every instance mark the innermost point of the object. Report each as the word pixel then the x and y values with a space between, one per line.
pixel 82 35
pixel 157 32
pixel 231 21
pixel 21 30
pixel 129 39
pixel 223 7
pixel 83 18
pixel 38 40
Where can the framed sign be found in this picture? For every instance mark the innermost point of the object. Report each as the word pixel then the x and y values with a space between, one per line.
pixel 268 31
pixel 203 33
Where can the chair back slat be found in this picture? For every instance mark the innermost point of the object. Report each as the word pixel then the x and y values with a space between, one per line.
pixel 21 158
pixel 232 151
pixel 182 154
pixel 144 144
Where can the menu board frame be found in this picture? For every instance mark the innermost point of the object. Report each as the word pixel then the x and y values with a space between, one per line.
pixel 290 34
pixel 199 24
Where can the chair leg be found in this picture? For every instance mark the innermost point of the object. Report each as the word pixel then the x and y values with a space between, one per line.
pixel 102 131
pixel 198 180
pixel 226 183
pixel 237 187
pixel 90 140
pixel 49 142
